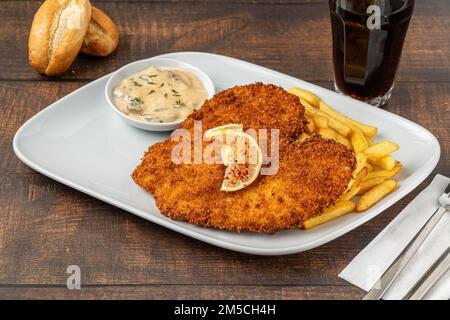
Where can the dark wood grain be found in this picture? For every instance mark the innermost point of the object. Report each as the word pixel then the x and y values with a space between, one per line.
pixel 292 38
pixel 46 226
pixel 181 292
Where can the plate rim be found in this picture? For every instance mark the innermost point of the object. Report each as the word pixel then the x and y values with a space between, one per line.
pixel 334 234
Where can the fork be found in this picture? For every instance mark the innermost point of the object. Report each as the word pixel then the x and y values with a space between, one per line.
pixel 392 273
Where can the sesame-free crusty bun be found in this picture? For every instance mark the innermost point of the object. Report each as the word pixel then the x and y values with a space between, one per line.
pixel 57 33
pixel 102 36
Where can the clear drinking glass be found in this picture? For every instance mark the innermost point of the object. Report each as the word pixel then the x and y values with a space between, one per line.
pixel 368 38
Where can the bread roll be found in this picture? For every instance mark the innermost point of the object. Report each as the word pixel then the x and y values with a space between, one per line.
pixel 57 33
pixel 102 36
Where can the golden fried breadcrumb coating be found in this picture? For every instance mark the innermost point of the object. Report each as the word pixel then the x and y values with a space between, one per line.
pixel 311 176
pixel 254 106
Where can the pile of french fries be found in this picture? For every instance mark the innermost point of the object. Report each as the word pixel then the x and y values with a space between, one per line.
pixel 375 166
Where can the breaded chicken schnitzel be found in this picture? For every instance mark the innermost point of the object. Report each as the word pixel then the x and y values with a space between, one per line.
pixel 311 176
pixel 254 106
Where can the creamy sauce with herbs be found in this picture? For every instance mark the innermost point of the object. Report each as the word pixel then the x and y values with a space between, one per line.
pixel 159 94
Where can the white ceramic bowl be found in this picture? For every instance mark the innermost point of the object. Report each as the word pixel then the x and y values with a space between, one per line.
pixel 140 65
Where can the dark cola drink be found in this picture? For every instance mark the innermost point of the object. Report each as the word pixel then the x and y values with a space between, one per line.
pixel 368 37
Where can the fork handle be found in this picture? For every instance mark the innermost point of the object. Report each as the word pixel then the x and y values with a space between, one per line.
pixel 392 273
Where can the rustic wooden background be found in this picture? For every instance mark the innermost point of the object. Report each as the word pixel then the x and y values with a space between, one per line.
pixel 46 226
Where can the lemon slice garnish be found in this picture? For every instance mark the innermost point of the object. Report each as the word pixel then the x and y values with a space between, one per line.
pixel 241 155
pixel 243 158
pixel 214 132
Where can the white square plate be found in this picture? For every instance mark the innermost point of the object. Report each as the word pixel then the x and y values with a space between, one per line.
pixel 80 142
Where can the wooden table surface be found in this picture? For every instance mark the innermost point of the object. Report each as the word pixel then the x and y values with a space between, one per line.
pixel 46 226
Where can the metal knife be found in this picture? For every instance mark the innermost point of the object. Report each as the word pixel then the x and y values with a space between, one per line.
pixel 392 273
pixel 431 277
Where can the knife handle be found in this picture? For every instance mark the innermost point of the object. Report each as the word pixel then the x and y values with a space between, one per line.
pixel 391 274
pixel 431 277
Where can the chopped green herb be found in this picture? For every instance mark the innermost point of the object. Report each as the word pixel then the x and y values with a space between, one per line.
pixel 137 99
pixel 151 91
pixel 175 93
pixel 152 75
pixel 162 85
pixel 137 84
pixel 179 103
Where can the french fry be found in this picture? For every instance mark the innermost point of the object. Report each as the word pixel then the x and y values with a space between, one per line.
pixel 367 130
pixel 339 209
pixel 358 141
pixel 361 161
pixel 361 175
pixel 320 121
pixel 385 173
pixel 310 127
pixel 340 127
pixel 368 181
pixel 354 185
pixel 381 149
pixel 368 184
pixel 329 133
pixel 369 167
pixel 343 129
pixel 357 179
pixel 350 185
pixel 386 162
pixel 302 137
pixel 375 194
pixel 309 109
pixel 306 95
pixel 353 191
pixel 343 141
